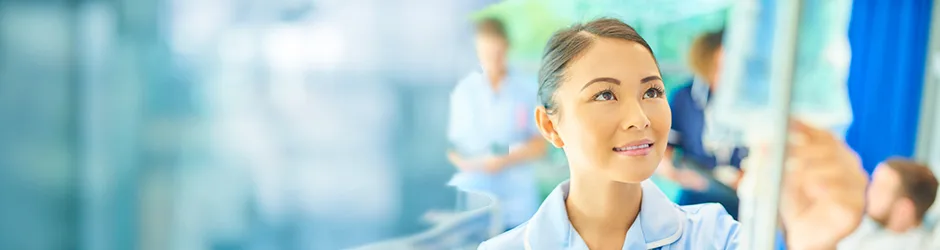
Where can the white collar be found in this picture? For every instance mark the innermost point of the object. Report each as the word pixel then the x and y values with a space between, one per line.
pixel 660 220
pixel 700 92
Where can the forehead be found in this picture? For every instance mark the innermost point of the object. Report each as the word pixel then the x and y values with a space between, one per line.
pixel 624 60
pixel 885 175
pixel 489 37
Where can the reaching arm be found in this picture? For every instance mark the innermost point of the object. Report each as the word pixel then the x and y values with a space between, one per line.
pixel 531 150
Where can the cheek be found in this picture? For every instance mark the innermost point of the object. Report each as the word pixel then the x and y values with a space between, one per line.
pixel 599 122
pixel 878 202
pixel 591 127
pixel 660 117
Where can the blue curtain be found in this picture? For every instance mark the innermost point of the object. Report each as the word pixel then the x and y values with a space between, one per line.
pixel 889 44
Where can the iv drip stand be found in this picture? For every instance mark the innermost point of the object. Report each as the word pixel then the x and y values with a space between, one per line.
pixel 759 211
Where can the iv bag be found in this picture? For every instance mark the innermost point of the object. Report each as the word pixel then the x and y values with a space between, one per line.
pixel 742 104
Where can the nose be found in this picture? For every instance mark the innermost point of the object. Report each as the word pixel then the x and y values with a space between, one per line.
pixel 634 118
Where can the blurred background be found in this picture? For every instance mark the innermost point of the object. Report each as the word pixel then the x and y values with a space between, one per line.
pixel 320 124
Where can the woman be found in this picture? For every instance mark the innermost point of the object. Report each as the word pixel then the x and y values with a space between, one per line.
pixel 602 102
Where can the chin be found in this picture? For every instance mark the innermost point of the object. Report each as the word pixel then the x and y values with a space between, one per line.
pixel 880 220
pixel 633 172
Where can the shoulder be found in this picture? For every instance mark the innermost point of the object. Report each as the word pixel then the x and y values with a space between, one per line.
pixel 512 239
pixel 524 85
pixel 682 95
pixel 468 83
pixel 710 224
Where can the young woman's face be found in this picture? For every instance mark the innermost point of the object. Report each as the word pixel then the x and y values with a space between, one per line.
pixel 613 119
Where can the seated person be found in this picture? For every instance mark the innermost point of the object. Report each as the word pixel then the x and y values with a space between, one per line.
pixel 898 197
pixel 688 123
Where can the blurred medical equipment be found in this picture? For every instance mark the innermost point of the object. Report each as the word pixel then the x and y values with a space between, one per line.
pixel 818 71
pixel 783 59
pixel 472 223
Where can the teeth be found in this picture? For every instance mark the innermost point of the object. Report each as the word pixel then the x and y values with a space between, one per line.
pixel 633 147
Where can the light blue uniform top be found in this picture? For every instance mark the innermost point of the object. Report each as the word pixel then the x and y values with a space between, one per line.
pixel 661 224
pixel 484 122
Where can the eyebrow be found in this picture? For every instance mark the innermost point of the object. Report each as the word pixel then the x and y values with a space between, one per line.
pixel 650 79
pixel 615 81
pixel 601 79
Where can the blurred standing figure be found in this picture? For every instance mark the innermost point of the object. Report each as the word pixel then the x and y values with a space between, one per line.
pixel 898 197
pixel 688 124
pixel 492 130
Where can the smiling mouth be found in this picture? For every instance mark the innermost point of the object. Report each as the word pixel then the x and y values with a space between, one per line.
pixel 635 149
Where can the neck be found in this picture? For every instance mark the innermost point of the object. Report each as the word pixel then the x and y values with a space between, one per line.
pixel 496 78
pixel 599 209
pixel 711 84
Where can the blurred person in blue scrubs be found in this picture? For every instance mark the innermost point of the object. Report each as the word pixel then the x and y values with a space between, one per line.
pixel 899 195
pixel 491 130
pixel 602 100
pixel 688 123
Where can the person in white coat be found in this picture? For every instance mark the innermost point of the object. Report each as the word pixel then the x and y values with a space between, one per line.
pixel 492 131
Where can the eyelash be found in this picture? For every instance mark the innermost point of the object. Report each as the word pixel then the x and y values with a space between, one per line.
pixel 659 91
pixel 608 90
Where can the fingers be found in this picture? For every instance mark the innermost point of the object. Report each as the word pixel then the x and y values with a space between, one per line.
pixel 823 196
pixel 807 143
pixel 793 198
pixel 823 181
pixel 825 149
pixel 839 159
pixel 809 152
pixel 820 168
pixel 809 133
pixel 820 182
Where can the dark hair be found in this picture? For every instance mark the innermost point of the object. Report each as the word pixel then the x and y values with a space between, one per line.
pixel 703 50
pixel 493 27
pixel 917 183
pixel 566 44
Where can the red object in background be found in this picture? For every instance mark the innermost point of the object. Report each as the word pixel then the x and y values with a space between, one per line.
pixel 521 117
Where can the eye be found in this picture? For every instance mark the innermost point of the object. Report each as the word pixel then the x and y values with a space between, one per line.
pixel 605 95
pixel 653 93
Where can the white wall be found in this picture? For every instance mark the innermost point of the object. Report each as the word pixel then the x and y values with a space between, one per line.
pixel 928 134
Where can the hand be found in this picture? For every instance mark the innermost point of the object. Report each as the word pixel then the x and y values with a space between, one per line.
pixel 462 164
pixel 666 169
pixel 823 196
pixel 727 175
pixel 689 179
pixel 493 164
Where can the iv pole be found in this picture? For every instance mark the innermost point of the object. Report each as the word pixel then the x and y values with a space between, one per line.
pixel 759 209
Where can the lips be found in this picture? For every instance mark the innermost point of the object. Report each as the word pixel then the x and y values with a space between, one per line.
pixel 636 148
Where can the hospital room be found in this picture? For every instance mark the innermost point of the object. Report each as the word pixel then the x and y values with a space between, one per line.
pixel 469 124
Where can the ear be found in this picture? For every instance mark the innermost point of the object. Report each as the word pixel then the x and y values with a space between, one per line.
pixel 905 206
pixel 547 127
